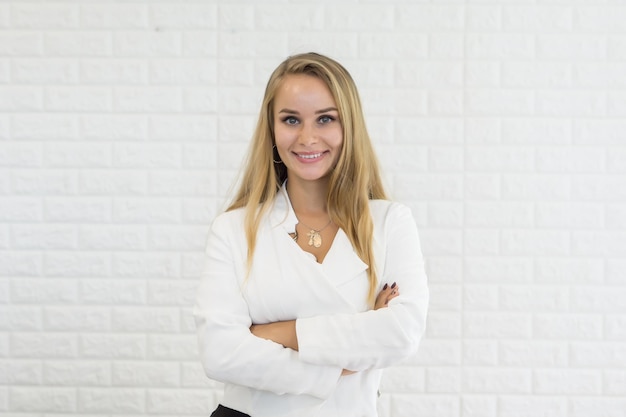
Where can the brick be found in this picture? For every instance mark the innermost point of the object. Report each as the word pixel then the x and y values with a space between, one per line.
pixel 434 406
pixel 615 271
pixel 427 18
pixel 533 406
pixel 570 159
pixel 569 271
pixel 146 155
pixel 147 99
pixel 429 187
pixel 24 318
pixel 499 102
pixel 183 127
pixel 145 265
pixel 77 44
pixel 145 374
pixel 616 216
pixel 535 242
pixel 112 346
pixel 483 130
pixel 20 209
pixel 443 380
pixel 170 292
pixel 113 71
pixel 543 299
pixel 480 353
pixel 589 187
pixel 616 105
pixel 445 215
pixel 445 103
pixel 392 45
pixel 192 376
pixel 422 74
pixel 114 16
pixel 481 242
pixel 504 46
pixel 571 47
pixel 486 74
pixel 336 44
pixel 439 352
pixel 598 243
pixel 200 43
pixel 536 75
pixel 533 354
pixel 77 155
pixel 152 320
pixel 173 347
pixel 147 44
pixel 182 71
pixel 531 187
pixel 187 16
pixel 497 325
pixel 569 215
pixel 146 210
pixel 45 16
pixel 40 291
pixel 116 400
pixel 597 354
pixel 478 406
pixel 199 100
pixel 495 270
pixel 403 379
pixel 76 264
pixel 571 103
pixel 44 71
pixel 615 382
pixel 76 373
pixel 480 298
pixel 506 381
pixel 483 18
pixel 444 46
pixel 288 17
pixel 179 402
pixel 365 18
pixel 76 318
pixel 443 325
pixel 19 264
pixel 498 214
pixel 482 186
pixel 404 157
pixel 567 326
pixel 539 19
pixel 112 182
pixel 16 43
pixel 28 236
pixel 112 292
pixel 199 156
pixel 44 127
pixel 112 237
pixel 104 127
pixel 444 269
pixel 584 406
pixel 43 345
pixel 599 19
pixel 252 44
pixel 43 399
pixel 567 381
pixel 20 372
pixel 598 300
pixel 599 131
pixel 441 242
pixel 77 209
pixel 43 182
pixel 237 17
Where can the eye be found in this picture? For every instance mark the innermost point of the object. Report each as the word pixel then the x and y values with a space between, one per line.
pixel 325 119
pixel 290 120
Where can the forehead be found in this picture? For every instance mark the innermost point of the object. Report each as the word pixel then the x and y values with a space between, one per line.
pixel 304 89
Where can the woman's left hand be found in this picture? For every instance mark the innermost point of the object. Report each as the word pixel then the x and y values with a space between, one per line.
pixel 388 293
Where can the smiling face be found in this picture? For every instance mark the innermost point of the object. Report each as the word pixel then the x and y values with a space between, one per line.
pixel 307 128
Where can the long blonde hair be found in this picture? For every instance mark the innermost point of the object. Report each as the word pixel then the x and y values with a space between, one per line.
pixel 354 180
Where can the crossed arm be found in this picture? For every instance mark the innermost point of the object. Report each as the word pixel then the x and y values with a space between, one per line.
pixel 284 332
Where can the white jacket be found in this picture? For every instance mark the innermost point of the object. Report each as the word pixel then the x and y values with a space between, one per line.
pixel 334 327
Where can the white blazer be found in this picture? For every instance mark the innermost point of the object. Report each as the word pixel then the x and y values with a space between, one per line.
pixel 335 328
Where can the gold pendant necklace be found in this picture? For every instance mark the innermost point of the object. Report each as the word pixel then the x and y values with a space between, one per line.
pixel 315 239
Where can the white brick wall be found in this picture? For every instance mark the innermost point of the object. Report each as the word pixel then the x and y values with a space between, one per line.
pixel 501 123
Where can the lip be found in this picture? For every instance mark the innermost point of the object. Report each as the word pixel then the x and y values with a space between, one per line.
pixel 309 157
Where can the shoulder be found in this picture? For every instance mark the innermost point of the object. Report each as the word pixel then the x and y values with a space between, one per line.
pixel 228 221
pixel 385 210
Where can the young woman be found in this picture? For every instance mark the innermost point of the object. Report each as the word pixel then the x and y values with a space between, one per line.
pixel 299 307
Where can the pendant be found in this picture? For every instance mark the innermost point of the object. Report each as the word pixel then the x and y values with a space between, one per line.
pixel 315 239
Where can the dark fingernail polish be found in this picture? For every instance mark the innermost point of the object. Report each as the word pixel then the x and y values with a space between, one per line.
pixel 385 287
pixel 393 285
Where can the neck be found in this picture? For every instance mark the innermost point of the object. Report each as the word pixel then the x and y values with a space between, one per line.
pixel 308 197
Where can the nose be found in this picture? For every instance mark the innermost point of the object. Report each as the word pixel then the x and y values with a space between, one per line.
pixel 307 134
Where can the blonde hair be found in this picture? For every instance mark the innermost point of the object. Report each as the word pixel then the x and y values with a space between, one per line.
pixel 354 180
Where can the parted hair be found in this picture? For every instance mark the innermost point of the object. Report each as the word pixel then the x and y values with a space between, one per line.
pixel 353 181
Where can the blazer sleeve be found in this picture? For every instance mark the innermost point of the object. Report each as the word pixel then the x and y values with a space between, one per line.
pixel 228 350
pixel 383 337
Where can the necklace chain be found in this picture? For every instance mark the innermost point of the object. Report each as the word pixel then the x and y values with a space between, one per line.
pixel 315 238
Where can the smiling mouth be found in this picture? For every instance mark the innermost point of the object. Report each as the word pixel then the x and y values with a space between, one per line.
pixel 310 155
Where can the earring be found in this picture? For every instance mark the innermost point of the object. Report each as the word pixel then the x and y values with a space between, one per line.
pixel 275 161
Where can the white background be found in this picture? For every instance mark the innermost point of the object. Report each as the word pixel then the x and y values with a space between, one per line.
pixel 501 123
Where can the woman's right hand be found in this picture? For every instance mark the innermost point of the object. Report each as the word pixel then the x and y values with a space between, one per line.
pixel 388 293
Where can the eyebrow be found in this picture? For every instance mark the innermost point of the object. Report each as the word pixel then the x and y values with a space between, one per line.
pixel 326 110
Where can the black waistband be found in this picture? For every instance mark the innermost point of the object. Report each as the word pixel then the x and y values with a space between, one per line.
pixel 222 411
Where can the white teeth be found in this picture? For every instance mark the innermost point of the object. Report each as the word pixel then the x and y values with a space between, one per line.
pixel 317 155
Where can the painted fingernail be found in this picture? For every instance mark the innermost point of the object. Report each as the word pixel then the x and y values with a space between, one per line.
pixel 393 285
pixel 385 287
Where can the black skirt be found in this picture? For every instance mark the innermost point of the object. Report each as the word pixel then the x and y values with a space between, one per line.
pixel 222 411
